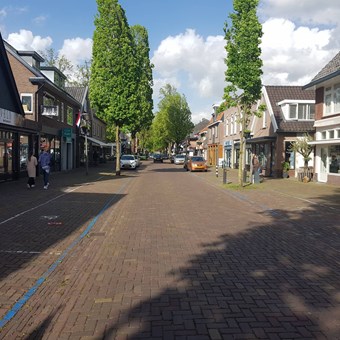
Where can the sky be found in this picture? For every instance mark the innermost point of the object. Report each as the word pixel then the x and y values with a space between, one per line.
pixel 186 39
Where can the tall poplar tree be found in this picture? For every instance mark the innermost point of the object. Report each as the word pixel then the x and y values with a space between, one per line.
pixel 144 105
pixel 244 67
pixel 113 84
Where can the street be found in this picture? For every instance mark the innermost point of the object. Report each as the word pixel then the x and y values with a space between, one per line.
pixel 161 253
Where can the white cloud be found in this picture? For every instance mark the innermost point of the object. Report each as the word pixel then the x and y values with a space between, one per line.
pixel 24 40
pixel 196 64
pixel 77 50
pixel 3 13
pixel 292 55
pixel 40 19
pixel 312 12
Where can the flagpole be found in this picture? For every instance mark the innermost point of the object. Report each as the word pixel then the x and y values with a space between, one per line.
pixel 86 155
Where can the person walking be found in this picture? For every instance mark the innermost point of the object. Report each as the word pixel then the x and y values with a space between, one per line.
pixel 32 163
pixel 45 162
pixel 256 169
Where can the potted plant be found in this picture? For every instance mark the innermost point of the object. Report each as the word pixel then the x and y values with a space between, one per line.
pixel 285 169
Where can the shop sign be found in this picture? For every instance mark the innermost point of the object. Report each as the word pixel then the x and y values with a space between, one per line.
pixel 67 134
pixel 10 118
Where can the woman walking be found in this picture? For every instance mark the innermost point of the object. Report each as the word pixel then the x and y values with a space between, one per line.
pixel 32 163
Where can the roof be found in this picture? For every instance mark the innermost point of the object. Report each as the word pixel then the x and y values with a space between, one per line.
pixel 9 99
pixel 199 126
pixel 277 94
pixel 331 70
pixel 77 92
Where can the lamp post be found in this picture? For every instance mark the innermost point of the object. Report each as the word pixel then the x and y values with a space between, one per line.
pixel 85 126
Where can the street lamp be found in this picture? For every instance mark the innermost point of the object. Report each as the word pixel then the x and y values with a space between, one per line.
pixel 85 127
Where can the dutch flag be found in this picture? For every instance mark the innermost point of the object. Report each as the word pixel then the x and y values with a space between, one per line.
pixel 78 119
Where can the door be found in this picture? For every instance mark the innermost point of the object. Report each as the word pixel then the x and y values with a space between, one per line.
pixel 323 176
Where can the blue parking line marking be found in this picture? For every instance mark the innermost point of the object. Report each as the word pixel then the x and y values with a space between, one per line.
pixel 18 305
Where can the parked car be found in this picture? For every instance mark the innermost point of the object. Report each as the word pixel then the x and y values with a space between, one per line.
pixel 196 163
pixel 157 157
pixel 179 159
pixel 129 162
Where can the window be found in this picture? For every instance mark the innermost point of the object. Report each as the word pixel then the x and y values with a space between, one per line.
pixel 323 135
pixel 331 134
pixel 334 159
pixel 69 115
pixel 332 100
pixel 301 111
pixel 226 127
pixel 27 102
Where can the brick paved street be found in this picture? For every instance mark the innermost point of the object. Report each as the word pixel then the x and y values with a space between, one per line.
pixel 160 253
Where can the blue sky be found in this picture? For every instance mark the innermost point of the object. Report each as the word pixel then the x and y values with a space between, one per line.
pixel 186 39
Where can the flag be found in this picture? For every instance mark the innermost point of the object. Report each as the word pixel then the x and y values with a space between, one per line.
pixel 78 119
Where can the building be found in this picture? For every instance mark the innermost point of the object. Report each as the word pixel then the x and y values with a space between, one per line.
pixel 327 122
pixel 17 134
pixel 47 107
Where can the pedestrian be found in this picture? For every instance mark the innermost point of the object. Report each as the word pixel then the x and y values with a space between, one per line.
pixel 256 169
pixel 45 164
pixel 32 163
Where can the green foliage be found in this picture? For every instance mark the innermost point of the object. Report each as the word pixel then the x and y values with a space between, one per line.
pixel 113 87
pixel 302 147
pixel 172 123
pixel 60 62
pixel 82 75
pixel 144 81
pixel 244 66
pixel 285 166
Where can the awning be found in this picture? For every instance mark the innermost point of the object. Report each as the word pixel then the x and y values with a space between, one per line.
pixel 100 143
pixel 324 142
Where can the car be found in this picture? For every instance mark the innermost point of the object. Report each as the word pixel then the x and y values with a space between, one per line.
pixel 179 159
pixel 129 162
pixel 196 163
pixel 157 157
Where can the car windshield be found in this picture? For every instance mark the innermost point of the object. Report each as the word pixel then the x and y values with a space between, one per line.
pixel 180 156
pixel 197 159
pixel 128 157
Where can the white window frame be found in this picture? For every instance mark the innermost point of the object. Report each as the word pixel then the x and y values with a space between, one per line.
pixel 28 95
pixel 332 100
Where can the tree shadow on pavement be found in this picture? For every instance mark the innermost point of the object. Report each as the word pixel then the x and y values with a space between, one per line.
pixel 275 281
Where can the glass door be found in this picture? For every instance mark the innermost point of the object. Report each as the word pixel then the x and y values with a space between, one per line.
pixel 323 165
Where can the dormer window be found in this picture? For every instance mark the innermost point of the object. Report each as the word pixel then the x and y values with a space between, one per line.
pixel 298 110
pixel 301 111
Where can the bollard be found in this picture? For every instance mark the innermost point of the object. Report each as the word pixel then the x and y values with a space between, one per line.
pixel 224 176
pixel 216 170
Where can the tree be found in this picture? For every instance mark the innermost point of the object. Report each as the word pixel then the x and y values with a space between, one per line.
pixel 59 61
pixel 176 115
pixel 113 87
pixel 302 147
pixel 144 114
pixel 244 67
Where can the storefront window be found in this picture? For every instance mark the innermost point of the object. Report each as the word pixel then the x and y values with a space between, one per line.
pixel 6 164
pixel 334 159
pixel 23 152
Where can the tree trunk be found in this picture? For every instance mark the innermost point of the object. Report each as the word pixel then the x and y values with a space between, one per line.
pixel 117 152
